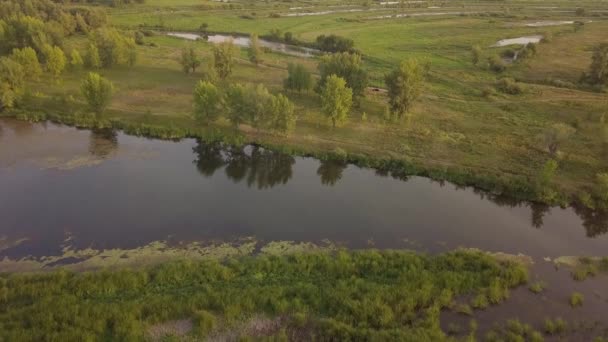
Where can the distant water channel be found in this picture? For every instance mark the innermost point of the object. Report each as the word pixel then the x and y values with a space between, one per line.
pixel 60 186
pixel 287 49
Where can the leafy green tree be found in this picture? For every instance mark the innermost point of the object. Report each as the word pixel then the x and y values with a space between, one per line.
pixel 76 61
pixel 476 54
pixel 404 86
pixel 336 100
pixel 347 66
pixel 282 118
pixel 598 70
pixel 556 135
pixel 189 60
pixel 298 78
pixel 113 47
pixel 97 91
pixel 28 60
pixel 11 82
pixel 208 102
pixel 55 60
pixel 92 57
pixel 255 51
pixel 236 100
pixel 223 58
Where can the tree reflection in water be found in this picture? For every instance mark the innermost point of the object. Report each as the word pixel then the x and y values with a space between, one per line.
pixel 103 142
pixel 255 165
pixel 330 171
pixel 264 169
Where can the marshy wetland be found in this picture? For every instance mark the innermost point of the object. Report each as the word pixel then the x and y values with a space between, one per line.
pixel 184 173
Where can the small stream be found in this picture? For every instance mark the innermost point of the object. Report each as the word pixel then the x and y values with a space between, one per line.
pixel 287 49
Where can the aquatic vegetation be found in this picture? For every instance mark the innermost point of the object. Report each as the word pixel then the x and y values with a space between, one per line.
pixel 537 287
pixel 344 295
pixel 555 327
pixel 576 299
pixel 513 330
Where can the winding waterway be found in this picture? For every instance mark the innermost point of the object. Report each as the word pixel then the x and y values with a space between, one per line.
pixel 63 186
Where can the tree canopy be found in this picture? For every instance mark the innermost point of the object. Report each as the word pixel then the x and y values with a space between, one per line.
pixel 347 66
pixel 223 58
pixel 404 85
pixel 97 91
pixel 298 78
pixel 208 102
pixel 336 100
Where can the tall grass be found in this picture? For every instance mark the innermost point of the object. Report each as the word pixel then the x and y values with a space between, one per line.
pixel 358 295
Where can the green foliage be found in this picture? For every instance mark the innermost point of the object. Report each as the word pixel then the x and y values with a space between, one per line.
pixel 204 323
pixel 282 117
pixel 334 43
pixel 347 66
pixel 476 54
pixel 76 61
pixel 336 100
pixel 223 58
pixel 537 287
pixel 480 301
pixel 189 60
pixel 509 86
pixel 598 70
pixel 208 102
pixel 496 64
pixel 256 106
pixel 514 331
pixel 554 327
pixel 113 47
pixel 528 51
pixel 97 92
pixel 404 86
pixel 298 78
pixel 255 51
pixel 93 60
pixel 555 135
pixel 544 183
pixel 138 36
pixel 28 60
pixel 55 60
pixel 601 189
pixel 349 295
pixel 576 299
pixel 11 82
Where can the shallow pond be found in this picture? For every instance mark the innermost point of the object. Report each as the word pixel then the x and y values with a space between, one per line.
pixel 518 41
pixel 66 187
pixel 292 50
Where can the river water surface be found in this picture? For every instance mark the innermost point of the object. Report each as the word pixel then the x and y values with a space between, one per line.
pixel 62 186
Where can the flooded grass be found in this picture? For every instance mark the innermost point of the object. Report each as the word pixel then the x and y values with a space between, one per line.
pixel 298 294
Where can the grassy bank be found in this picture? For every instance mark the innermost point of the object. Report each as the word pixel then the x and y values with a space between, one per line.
pixel 365 295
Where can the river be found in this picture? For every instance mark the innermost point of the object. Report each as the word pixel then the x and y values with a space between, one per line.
pixel 60 186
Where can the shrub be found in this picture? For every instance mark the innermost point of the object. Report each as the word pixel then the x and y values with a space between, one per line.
pixel 509 86
pixel 576 299
pixel 496 64
pixel 537 287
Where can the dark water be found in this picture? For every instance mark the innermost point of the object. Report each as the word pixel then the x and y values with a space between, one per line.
pixel 61 186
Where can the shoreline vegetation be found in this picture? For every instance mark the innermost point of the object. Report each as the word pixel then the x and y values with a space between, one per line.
pixel 337 294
